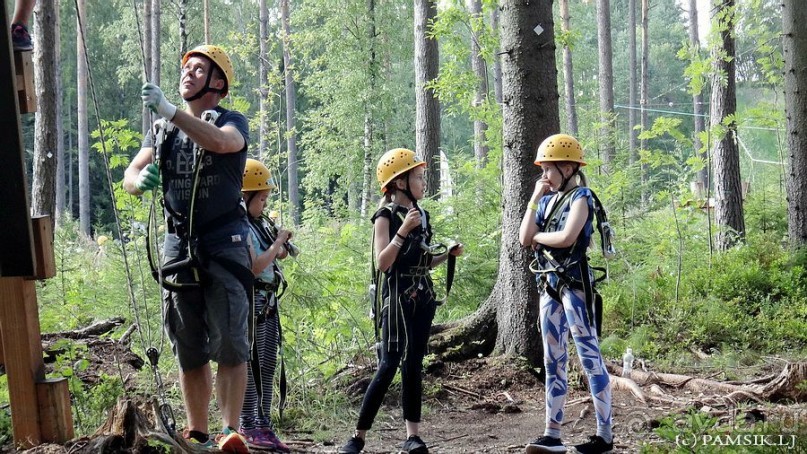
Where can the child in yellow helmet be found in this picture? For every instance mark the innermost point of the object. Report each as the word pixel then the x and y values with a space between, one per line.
pixel 268 246
pixel 402 236
pixel 558 226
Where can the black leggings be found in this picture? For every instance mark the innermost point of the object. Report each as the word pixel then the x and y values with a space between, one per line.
pixel 417 316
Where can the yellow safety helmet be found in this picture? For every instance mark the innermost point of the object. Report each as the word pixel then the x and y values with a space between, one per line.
pixel 257 177
pixel 396 162
pixel 560 147
pixel 219 58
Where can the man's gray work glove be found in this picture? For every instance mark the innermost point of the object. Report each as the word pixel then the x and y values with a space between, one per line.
pixel 154 99
pixel 148 178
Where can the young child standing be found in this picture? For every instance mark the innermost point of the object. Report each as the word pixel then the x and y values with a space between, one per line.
pixel 558 226
pixel 268 245
pixel 402 235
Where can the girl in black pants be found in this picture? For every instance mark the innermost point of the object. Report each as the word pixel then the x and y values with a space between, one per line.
pixel 402 235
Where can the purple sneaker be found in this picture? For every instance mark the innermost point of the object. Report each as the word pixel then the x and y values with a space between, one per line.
pixel 279 445
pixel 258 438
pixel 20 38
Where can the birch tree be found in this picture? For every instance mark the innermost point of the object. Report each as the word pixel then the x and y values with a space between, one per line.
pixel 83 126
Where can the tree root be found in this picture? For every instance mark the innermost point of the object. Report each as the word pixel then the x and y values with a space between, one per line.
pixel 784 386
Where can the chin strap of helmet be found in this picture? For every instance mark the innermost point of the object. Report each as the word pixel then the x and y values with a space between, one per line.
pixel 207 88
pixel 566 180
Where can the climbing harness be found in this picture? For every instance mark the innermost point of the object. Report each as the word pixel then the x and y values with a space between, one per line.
pixel 266 231
pixel 561 263
pixel 415 273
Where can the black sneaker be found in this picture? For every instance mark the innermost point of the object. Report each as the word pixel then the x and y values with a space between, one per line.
pixel 353 446
pixel 20 38
pixel 595 445
pixel 414 445
pixel 545 444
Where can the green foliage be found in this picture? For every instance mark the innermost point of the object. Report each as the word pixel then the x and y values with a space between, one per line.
pixel 697 431
pixel 91 403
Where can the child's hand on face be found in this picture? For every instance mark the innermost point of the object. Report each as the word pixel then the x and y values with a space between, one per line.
pixel 411 221
pixel 542 187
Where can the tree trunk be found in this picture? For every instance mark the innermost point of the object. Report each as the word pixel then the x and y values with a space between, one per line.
pixel 291 106
pixel 497 61
pixel 147 42
pixel 46 132
pixel 568 70
pixel 795 54
pixel 156 19
pixel 427 106
pixel 697 98
pixel 82 129
pixel 606 82
pixel 206 7
pixel 633 70
pixel 645 91
pixel 507 321
pixel 481 72
pixel 263 72
pixel 728 196
pixel 372 70
pixel 182 13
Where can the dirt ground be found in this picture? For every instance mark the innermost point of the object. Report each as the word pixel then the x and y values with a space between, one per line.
pixel 487 405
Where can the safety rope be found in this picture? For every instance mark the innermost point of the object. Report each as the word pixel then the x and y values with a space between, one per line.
pixel 152 353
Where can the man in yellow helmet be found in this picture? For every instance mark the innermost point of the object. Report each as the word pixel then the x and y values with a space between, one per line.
pixel 198 163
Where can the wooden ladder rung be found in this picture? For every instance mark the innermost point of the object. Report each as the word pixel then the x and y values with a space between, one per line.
pixel 24 66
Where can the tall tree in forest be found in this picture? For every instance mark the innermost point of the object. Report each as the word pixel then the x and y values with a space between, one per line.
pixel 263 72
pixel 369 118
pixel 568 69
pixel 182 19
pixel 156 40
pixel 506 322
pixel 481 71
pixel 497 61
pixel 206 7
pixel 644 95
pixel 606 82
pixel 632 85
pixel 427 106
pixel 794 16
pixel 723 108
pixel 147 54
pixel 697 95
pixel 61 175
pixel 84 199
pixel 291 121
pixel 46 72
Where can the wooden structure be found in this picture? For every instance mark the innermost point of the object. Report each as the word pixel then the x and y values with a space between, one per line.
pixel 40 407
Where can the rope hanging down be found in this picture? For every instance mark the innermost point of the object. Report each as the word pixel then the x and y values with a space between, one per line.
pixel 152 353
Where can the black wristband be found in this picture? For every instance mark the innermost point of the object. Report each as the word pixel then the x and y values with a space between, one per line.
pixel 400 236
